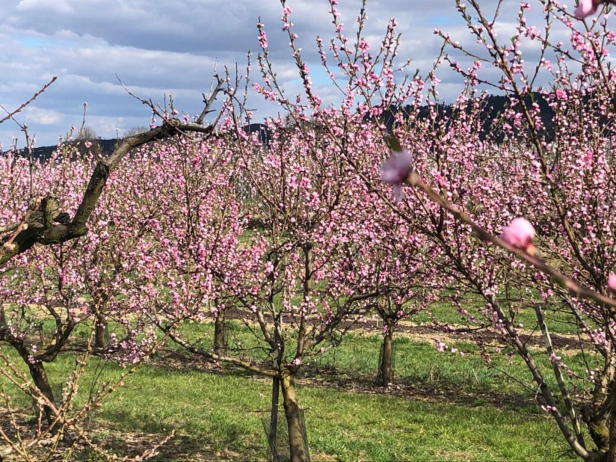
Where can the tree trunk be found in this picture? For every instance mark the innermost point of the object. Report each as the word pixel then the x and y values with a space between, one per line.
pixel 299 453
pixel 101 334
pixel 595 414
pixel 37 372
pixel 3 324
pixel 597 424
pixel 274 419
pixel 220 341
pixel 386 370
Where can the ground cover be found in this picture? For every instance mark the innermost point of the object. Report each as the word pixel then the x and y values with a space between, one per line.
pixel 442 407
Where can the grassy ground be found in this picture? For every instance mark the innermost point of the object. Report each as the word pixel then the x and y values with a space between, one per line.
pixel 444 407
pixel 558 321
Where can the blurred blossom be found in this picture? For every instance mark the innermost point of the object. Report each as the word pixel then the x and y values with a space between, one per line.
pixel 520 234
pixel 396 170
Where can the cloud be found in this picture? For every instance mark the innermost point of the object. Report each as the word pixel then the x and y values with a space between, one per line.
pixel 48 6
pixel 160 48
pixel 35 115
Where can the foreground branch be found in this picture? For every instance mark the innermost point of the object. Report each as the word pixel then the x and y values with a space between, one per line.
pixel 569 284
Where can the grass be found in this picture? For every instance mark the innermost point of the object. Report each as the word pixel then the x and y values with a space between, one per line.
pixel 218 416
pixel 444 407
pixel 416 360
pixel 558 321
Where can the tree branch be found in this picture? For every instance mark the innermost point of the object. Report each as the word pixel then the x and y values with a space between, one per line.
pixel 36 95
pixel 572 286
pixel 47 233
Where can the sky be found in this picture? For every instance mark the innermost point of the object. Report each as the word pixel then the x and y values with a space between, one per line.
pixel 159 48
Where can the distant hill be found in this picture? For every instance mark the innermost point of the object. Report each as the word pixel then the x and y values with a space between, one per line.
pixel 495 105
pixel 108 146
pixel 45 152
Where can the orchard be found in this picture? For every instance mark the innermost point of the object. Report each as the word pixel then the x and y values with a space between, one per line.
pixel 377 244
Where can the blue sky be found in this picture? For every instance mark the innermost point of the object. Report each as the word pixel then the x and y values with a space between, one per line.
pixel 162 47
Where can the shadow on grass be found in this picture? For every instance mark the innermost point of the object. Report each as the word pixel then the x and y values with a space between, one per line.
pixel 146 433
pixel 409 387
pixel 418 389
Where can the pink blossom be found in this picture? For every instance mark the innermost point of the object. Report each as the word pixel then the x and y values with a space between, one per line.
pixel 611 282
pixel 586 8
pixel 395 170
pixel 561 94
pixel 440 346
pixel 520 234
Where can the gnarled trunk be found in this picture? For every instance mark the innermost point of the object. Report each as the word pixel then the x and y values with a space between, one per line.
pixel 386 368
pixel 596 414
pixel 299 453
pixel 597 424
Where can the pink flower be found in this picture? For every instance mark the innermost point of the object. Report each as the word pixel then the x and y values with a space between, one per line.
pixel 520 234
pixel 561 94
pixel 586 8
pixel 395 171
pixel 611 282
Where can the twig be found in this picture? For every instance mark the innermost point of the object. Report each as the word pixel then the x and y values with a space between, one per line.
pixel 20 108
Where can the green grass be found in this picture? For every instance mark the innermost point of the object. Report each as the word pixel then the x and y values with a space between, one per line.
pixel 415 361
pixel 558 321
pixel 446 408
pixel 218 416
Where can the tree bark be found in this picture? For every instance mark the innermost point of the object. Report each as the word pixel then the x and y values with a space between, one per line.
pixel 101 334
pixel 386 370
pixel 274 418
pixel 37 372
pixel 596 414
pixel 220 341
pixel 299 453
pixel 599 432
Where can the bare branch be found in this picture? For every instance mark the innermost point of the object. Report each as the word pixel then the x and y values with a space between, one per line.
pixel 209 100
pixel 20 108
pixel 10 227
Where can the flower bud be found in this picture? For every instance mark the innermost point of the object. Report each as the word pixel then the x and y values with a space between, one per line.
pixel 520 234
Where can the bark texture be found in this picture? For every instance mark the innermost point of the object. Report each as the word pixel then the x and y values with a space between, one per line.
pixel 297 448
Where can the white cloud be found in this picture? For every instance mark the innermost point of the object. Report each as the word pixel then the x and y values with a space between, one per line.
pixel 54 6
pixel 34 115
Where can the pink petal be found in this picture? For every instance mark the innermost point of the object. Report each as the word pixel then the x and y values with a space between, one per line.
pixel 519 233
pixel 396 168
pixel 584 9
